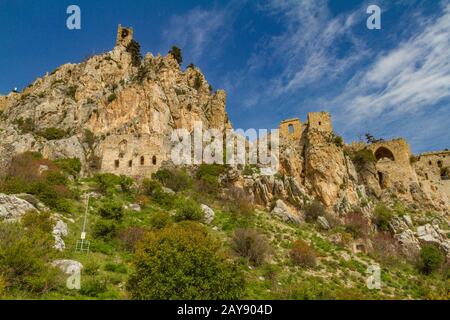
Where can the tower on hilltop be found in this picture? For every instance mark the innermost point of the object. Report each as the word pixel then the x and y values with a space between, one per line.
pixel 124 36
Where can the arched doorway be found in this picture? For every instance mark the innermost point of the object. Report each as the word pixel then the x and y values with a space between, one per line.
pixel 384 153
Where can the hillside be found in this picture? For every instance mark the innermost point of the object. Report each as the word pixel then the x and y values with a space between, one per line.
pixel 93 141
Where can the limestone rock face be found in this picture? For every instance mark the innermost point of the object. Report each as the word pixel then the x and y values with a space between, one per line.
pixel 12 207
pixel 130 108
pixel 285 212
pixel 326 169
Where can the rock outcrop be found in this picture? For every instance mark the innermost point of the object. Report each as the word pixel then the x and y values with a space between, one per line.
pixel 13 207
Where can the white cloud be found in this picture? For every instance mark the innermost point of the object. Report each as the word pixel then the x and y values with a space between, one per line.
pixel 307 47
pixel 200 30
pixel 413 76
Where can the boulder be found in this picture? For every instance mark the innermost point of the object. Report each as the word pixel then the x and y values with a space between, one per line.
pixel 323 223
pixel 410 246
pixel 60 230
pixel 209 213
pixel 12 207
pixel 284 212
pixel 67 266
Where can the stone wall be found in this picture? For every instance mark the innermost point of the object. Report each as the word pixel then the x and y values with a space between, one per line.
pixel 429 168
pixel 124 36
pixel 133 156
pixel 291 129
pixel 320 121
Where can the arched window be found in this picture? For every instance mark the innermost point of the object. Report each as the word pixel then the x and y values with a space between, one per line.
pixel 142 160
pixel 291 128
pixel 383 152
pixel 116 163
pixel 130 163
pixel 154 159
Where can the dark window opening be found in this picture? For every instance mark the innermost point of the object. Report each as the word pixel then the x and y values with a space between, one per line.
pixel 429 162
pixel 154 160
pixel 383 152
pixel 426 176
pixel 142 160
pixel 380 179
pixel 320 123
pixel 291 128
pixel 116 163
pixel 130 163
pixel 439 163
pixel 124 33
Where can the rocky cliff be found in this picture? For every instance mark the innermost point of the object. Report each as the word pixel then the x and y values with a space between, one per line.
pixel 113 106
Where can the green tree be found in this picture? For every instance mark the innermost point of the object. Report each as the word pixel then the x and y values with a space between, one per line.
pixel 183 261
pixel 430 258
pixel 176 53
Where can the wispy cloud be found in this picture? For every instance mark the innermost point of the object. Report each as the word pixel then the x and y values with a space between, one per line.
pixel 200 30
pixel 414 75
pixel 407 82
pixel 304 53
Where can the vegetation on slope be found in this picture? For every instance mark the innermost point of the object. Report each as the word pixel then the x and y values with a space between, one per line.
pixel 243 253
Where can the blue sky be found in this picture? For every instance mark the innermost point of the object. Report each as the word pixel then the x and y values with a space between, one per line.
pixel 276 59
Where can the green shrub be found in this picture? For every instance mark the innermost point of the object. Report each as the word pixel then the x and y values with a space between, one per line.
pixel 93 287
pixel 176 53
pixel 24 126
pixel 162 198
pixel 430 259
pixel 71 166
pixel 113 267
pixel 89 138
pixel 112 97
pixel 111 209
pixel 71 90
pixel 302 254
pixel 338 140
pixel 363 158
pixel 25 254
pixel 130 237
pixel 149 185
pixel 188 209
pixel 175 179
pixel 134 48
pixel 105 229
pixel 24 175
pixel 183 261
pixel 382 217
pixel 357 225
pixel 160 220
pixel 197 82
pixel 52 133
pixel 40 221
pixel 208 177
pixel 250 244
pixel 214 170
pixel 313 210
pixel 107 182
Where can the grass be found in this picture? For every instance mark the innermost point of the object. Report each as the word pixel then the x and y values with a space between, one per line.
pixel 339 274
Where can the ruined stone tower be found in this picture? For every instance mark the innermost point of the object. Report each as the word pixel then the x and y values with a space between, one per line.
pixel 291 128
pixel 124 36
pixel 320 121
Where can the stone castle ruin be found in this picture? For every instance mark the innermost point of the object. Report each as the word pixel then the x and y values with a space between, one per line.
pixel 131 107
pixel 424 177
